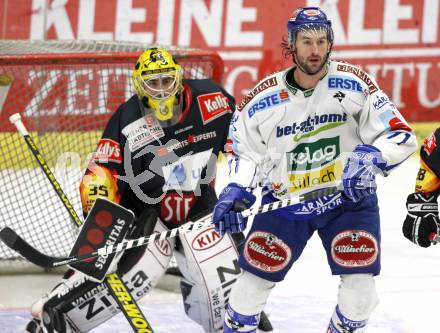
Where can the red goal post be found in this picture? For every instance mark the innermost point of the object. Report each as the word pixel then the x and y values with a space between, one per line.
pixel 65 92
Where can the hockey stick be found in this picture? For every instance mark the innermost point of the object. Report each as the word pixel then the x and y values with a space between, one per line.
pixel 110 280
pixel 15 242
pixel 16 120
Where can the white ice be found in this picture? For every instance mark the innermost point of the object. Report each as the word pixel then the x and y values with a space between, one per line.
pixel 408 286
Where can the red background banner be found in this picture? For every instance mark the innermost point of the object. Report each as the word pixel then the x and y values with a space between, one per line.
pixel 396 41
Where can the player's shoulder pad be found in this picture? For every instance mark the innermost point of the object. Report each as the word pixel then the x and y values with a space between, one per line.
pixel 130 109
pixel 430 151
pixel 127 112
pixel 349 71
pixel 204 86
pixel 267 83
pixel 213 101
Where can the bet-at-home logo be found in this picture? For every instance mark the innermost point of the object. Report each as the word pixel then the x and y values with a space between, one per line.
pixel 313 155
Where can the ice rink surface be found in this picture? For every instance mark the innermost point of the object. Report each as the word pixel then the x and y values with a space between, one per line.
pixel 408 287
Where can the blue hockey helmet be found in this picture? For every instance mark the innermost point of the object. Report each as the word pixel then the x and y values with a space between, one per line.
pixel 309 18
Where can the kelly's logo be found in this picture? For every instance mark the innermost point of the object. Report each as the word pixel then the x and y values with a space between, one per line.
pixel 108 150
pixel 212 106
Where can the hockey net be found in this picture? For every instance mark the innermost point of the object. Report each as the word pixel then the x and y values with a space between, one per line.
pixel 65 92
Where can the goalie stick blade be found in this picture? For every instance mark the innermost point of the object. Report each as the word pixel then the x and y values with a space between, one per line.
pixel 19 245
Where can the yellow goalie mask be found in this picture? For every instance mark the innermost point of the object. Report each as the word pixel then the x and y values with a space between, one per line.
pixel 157 79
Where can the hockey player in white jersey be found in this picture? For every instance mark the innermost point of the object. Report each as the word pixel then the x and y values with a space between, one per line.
pixel 310 126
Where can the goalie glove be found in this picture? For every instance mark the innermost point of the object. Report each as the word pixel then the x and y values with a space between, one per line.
pixel 422 219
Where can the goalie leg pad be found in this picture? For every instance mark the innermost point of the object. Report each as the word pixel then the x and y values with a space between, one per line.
pixel 54 321
pixel 48 313
pixel 140 279
pixel 209 264
pixel 87 306
pixel 357 299
pixel 147 223
pixel 36 326
pixel 75 281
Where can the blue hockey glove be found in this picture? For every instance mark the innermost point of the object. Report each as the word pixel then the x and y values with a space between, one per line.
pixel 225 218
pixel 359 176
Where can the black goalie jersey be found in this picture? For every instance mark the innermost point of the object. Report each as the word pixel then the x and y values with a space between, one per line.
pixel 138 162
pixel 428 177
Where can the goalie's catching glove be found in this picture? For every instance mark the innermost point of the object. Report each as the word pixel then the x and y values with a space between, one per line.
pixel 225 216
pixel 422 219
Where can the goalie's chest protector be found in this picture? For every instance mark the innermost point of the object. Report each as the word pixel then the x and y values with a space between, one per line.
pixel 183 156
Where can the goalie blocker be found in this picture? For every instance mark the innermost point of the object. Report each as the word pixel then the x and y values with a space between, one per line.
pixel 79 305
pixel 106 224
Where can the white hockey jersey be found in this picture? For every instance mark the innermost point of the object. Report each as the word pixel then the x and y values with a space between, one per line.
pixel 296 141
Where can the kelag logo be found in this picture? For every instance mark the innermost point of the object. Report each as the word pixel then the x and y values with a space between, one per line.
pixel 273 99
pixel 307 156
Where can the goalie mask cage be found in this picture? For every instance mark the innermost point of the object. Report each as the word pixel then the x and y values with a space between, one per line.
pixel 65 92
